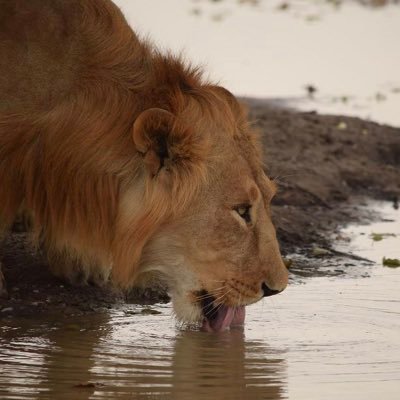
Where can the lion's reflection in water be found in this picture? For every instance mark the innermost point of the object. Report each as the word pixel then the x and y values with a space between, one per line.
pixel 107 357
pixel 226 366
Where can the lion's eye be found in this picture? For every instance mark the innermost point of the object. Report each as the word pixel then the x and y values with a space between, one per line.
pixel 244 212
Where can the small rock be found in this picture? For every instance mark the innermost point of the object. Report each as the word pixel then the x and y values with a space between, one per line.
pixel 311 90
pixel 319 252
pixel 150 311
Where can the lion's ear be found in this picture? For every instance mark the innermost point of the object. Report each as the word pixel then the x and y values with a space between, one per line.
pixel 151 136
pixel 167 143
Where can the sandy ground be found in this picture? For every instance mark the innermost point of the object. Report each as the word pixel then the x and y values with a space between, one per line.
pixel 324 165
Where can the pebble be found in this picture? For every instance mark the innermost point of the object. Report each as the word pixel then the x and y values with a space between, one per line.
pixel 319 251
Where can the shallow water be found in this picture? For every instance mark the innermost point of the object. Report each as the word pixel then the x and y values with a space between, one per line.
pixel 275 48
pixel 325 337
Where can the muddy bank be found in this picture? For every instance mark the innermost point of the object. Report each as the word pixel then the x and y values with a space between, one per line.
pixel 321 163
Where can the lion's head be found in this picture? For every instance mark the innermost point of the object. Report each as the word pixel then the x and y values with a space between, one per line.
pixel 204 223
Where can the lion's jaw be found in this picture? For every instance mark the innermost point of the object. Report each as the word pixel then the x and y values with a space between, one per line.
pixel 164 263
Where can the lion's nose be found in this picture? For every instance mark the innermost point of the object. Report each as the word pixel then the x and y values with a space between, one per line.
pixel 267 291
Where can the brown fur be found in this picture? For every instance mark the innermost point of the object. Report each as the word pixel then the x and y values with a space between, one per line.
pixel 86 109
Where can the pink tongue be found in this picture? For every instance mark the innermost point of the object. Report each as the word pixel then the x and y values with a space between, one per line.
pixel 225 317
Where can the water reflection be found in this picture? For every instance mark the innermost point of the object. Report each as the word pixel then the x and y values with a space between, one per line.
pixel 46 359
pixel 226 367
pixel 113 356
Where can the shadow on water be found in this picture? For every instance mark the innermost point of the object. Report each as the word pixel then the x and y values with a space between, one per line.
pixel 105 356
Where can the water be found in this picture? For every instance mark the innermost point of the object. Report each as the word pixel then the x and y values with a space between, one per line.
pixel 347 51
pixel 324 338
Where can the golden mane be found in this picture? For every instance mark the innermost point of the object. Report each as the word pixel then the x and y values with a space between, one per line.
pixel 67 156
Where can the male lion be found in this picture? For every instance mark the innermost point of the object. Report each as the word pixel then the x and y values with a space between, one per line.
pixel 130 164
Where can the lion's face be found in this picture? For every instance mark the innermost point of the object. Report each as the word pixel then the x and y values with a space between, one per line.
pixel 229 252
pixel 216 246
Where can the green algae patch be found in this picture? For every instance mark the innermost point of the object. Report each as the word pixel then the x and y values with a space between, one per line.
pixel 391 262
pixel 377 237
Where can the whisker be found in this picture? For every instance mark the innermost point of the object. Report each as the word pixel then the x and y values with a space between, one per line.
pixel 218 306
pixel 223 295
pixel 214 311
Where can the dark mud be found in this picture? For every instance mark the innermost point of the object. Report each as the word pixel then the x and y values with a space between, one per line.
pixel 323 166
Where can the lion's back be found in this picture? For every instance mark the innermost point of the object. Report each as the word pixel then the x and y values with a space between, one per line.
pixel 38 53
pixel 51 49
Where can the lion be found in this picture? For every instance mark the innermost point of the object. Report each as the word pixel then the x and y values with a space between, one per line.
pixel 131 166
